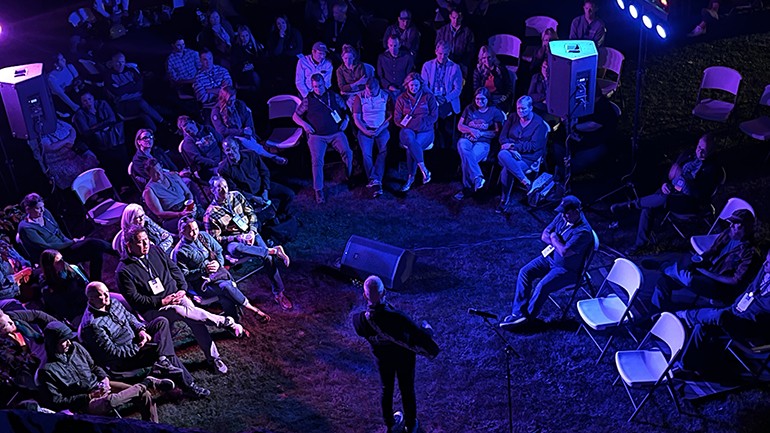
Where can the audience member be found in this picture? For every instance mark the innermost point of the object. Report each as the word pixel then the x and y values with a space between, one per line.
pixel 14 269
pixel 144 141
pixel 65 84
pixel 522 148
pixel 405 31
pixel 416 111
pixel 709 15
pixel 372 111
pixel 200 146
pixel 479 125
pixel 231 220
pixel 284 40
pixel 199 257
pixel 167 196
pixel 352 74
pixel 493 76
pixel 317 12
pixel 393 65
pixel 443 78
pixel 692 180
pixel 20 334
pixel 209 80
pixel 460 40
pixel 38 231
pixel 134 214
pixel 62 156
pixel 63 288
pixel 321 116
pixel 246 172
pixel 96 123
pixel 716 276
pixel 217 37
pixel 71 380
pixel 542 52
pixel 588 26
pixel 538 89
pixel 247 56
pixel 183 64
pixel 119 341
pixel 126 86
pixel 311 64
pixel 341 30
pixel 154 287
pixel 569 240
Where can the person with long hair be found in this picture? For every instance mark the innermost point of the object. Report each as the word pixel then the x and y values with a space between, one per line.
pixel 284 40
pixel 479 125
pixel 63 292
pixel 218 36
pixel 134 214
pixel 246 57
pixel 492 75
pixel 415 113
pixel 144 141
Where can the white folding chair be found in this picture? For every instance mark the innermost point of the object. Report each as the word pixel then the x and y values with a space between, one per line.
pixel 701 243
pixel 721 79
pixel 536 25
pixel 611 312
pixel 90 183
pixel 650 368
pixel 583 280
pixel 759 127
pixel 608 73
pixel 507 46
pixel 283 107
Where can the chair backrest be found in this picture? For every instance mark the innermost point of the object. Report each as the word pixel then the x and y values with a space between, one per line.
pixel 733 204
pixel 534 26
pixel 505 45
pixel 612 60
pixel 669 329
pixel 590 256
pixel 627 275
pixel 282 106
pixel 130 168
pixel 184 155
pixel 765 98
pixel 721 78
pixel 616 109
pixel 89 183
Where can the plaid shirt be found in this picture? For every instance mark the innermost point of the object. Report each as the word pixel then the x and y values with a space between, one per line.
pixel 219 218
pixel 184 65
pixel 216 77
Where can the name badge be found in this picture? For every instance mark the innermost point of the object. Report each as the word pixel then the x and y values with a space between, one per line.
pixel 241 222
pixel 547 250
pixel 336 116
pixel 156 287
pixel 405 121
pixel 745 301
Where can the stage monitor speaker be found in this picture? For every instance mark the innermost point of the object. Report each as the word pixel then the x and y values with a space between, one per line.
pixel 572 78
pixel 364 257
pixel 28 102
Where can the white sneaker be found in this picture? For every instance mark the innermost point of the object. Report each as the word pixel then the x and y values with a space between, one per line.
pixel 697 31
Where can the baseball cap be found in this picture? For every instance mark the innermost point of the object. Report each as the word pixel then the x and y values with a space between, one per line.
pixel 742 216
pixel 568 203
pixel 320 46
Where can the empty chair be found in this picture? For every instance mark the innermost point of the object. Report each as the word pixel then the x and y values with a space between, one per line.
pixel 87 186
pixel 701 216
pixel 648 368
pixel 534 26
pixel 608 72
pixel 283 107
pixel 759 127
pixel 507 46
pixel 710 104
pixel 583 280
pixel 701 243
pixel 611 312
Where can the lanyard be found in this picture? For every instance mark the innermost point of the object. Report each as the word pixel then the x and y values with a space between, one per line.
pixel 325 104
pixel 414 105
pixel 147 266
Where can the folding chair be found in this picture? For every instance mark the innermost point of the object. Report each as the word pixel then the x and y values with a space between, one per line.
pixel 608 73
pixel 759 127
pixel 752 353
pixel 611 312
pixel 507 46
pixel 283 107
pixel 701 243
pixel 651 368
pixel 697 217
pixel 584 279
pixel 88 185
pixel 717 81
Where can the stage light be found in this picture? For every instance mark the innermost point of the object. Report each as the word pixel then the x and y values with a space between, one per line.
pixel 621 5
pixel 647 21
pixel 633 11
pixel 661 31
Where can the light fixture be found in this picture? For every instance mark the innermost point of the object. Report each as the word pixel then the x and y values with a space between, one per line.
pixel 647 21
pixel 661 31
pixel 621 5
pixel 633 11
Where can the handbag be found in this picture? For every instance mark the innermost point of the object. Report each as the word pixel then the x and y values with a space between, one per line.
pixel 221 274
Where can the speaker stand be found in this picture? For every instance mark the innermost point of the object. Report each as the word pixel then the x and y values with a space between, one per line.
pixel 509 353
pixel 11 171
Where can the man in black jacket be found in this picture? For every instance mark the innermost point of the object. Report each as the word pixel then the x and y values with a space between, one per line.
pixel 119 341
pixel 154 286
pixel 395 339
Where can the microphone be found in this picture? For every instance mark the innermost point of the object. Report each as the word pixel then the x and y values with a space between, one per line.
pixel 483 314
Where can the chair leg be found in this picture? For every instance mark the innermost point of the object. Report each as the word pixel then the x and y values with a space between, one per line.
pixel 604 349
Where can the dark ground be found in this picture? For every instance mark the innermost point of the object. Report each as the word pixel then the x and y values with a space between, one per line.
pixel 307 371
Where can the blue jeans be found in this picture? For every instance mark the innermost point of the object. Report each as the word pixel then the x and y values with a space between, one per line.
pixel 375 168
pixel 259 250
pixel 230 296
pixel 529 301
pixel 511 167
pixel 471 154
pixel 414 143
pixel 317 145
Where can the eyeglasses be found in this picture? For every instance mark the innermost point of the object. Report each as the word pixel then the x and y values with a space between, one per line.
pixel 481 98
pixel 146 137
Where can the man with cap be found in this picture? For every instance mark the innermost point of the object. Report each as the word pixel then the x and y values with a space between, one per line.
pixel 311 64
pixel 568 239
pixel 71 380
pixel 716 276
pixel 405 31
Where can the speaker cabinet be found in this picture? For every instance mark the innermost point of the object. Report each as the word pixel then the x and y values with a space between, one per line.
pixel 572 78
pixel 364 257
pixel 27 101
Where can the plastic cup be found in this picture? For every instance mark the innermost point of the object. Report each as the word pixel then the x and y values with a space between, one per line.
pixel 189 205
pixel 696 258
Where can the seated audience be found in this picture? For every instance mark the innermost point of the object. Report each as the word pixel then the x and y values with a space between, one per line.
pixel 352 74
pixel 415 112
pixel 231 220
pixel 372 111
pixel 62 155
pixel 245 171
pixel 199 257
pixel 716 276
pixel 126 86
pixel 144 141
pixel 538 89
pixel 443 78
pixel 405 31
pixel 65 84
pixel 311 64
pixel 39 231
pixel 134 214
pixel 167 196
pixel 692 180
pixel 183 64
pixel 96 123
pixel 63 288
pixel 284 40
pixel 568 240
pixel 247 56
pixel 119 341
pixel 217 37
pixel 460 40
pixel 209 80
pixel 200 146
pixel 22 328
pixel 154 287
pixel 323 116
pixel 709 15
pixel 542 52
pixel 522 148
pixel 480 123
pixel 393 65
pixel 341 29
pixel 14 269
pixel 71 380
pixel 588 26
pixel 493 76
